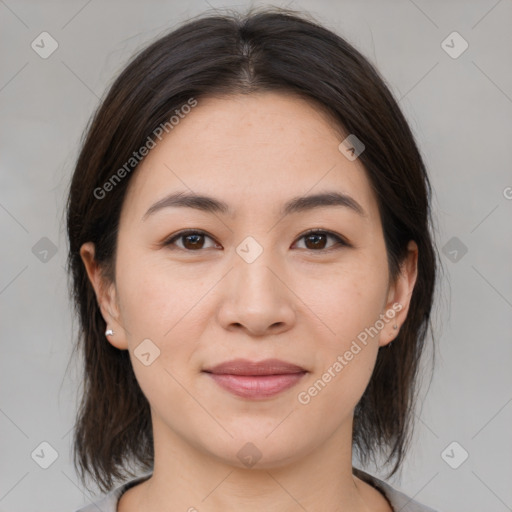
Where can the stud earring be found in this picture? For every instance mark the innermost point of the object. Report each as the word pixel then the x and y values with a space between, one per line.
pixel 109 332
pixel 395 326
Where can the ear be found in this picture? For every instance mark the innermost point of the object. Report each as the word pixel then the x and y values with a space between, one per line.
pixel 106 297
pixel 399 295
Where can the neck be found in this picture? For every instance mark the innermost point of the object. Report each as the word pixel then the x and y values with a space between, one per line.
pixel 318 479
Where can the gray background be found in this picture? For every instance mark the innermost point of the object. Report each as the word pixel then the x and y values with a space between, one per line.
pixel 460 110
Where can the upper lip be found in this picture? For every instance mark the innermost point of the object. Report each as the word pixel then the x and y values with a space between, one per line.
pixel 246 367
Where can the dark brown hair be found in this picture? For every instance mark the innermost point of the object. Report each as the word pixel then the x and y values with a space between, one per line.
pixel 267 50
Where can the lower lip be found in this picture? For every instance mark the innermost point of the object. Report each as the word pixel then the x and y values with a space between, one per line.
pixel 256 387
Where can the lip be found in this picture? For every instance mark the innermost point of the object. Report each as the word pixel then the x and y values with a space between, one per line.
pixel 256 380
pixel 246 367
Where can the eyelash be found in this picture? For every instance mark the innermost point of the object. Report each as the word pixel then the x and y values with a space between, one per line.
pixel 340 242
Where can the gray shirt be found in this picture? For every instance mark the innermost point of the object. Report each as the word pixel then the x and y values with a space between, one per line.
pixel 398 501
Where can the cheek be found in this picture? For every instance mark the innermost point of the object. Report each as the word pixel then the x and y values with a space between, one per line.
pixel 348 301
pixel 156 299
pixel 169 307
pixel 352 303
pixel 157 306
pixel 349 307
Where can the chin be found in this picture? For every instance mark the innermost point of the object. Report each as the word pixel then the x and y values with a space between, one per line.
pixel 258 452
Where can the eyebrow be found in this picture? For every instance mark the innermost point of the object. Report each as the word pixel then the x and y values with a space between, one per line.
pixel 294 205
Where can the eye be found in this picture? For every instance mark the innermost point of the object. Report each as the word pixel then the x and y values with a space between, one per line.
pixel 193 240
pixel 316 239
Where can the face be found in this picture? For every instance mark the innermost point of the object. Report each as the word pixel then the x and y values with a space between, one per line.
pixel 252 282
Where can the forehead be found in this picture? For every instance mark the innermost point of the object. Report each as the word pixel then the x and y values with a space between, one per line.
pixel 253 151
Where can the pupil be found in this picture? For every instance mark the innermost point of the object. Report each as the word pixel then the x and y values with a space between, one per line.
pixel 316 237
pixel 194 243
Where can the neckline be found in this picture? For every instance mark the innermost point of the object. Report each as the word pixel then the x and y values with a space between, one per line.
pixel 376 483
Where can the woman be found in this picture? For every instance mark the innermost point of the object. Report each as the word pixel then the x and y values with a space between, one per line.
pixel 253 268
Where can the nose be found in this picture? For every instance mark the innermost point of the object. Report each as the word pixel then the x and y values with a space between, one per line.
pixel 256 298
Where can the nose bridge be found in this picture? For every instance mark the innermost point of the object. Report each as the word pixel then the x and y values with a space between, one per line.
pixel 255 272
pixel 258 299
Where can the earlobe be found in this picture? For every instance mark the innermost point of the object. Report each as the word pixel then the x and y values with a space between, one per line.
pixel 116 338
pixel 106 298
pixel 114 332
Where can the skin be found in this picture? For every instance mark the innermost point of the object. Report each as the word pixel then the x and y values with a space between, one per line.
pixel 295 302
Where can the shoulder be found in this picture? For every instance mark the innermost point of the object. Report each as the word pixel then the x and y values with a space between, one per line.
pixel 398 500
pixel 108 502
